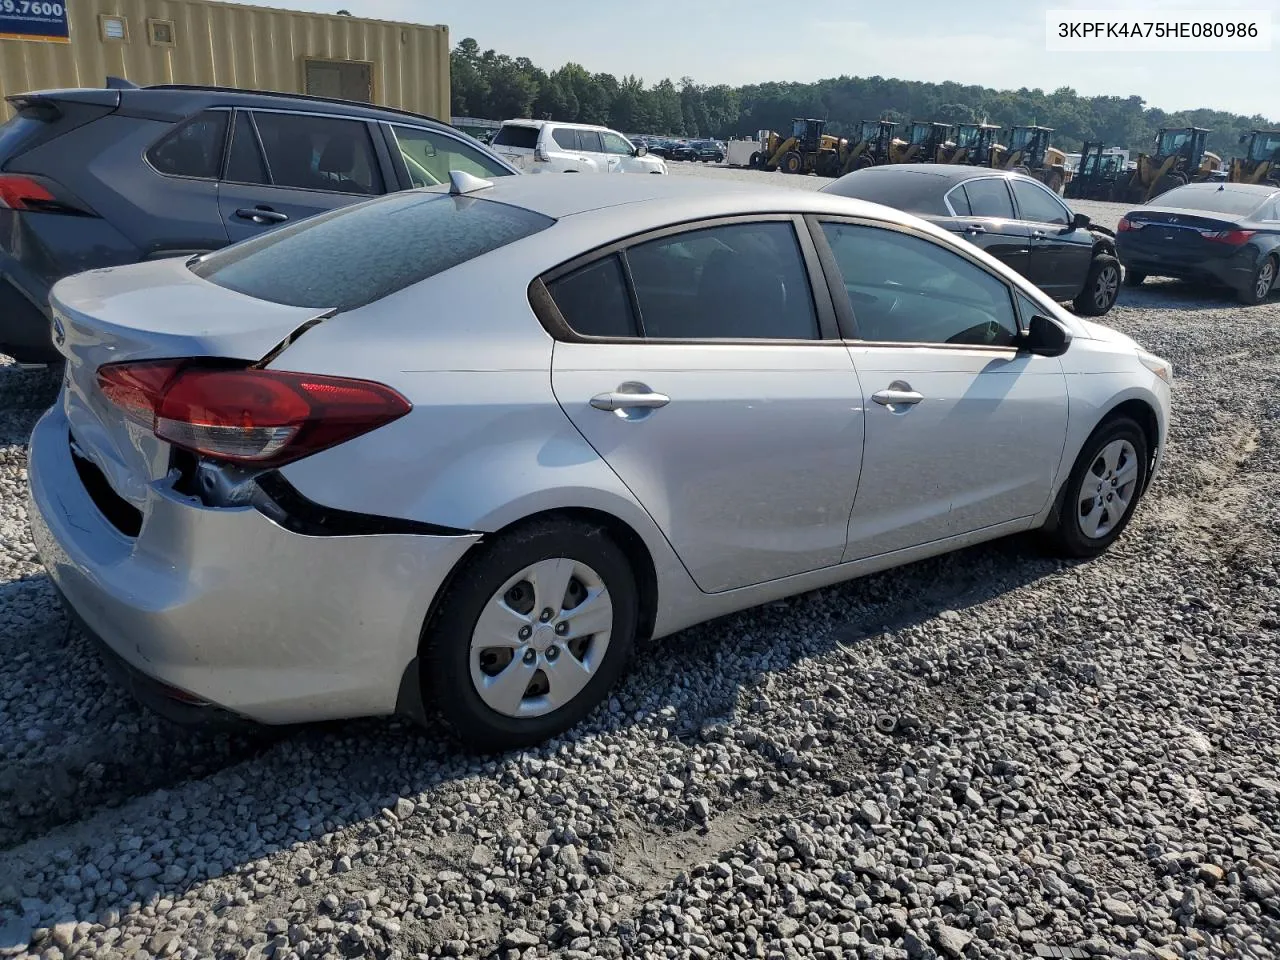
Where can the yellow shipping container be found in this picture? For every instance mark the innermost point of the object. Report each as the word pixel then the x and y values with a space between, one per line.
pixel 401 65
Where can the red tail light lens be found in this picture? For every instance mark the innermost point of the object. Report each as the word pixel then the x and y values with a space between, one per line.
pixel 246 415
pixel 22 193
pixel 1232 238
pixel 1124 225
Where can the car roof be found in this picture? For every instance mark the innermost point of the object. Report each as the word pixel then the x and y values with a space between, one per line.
pixel 947 174
pixel 174 101
pixel 563 196
pixel 1260 190
pixel 539 124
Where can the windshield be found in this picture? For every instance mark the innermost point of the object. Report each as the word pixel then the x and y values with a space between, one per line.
pixel 1172 141
pixel 1265 146
pixel 1235 203
pixel 1020 138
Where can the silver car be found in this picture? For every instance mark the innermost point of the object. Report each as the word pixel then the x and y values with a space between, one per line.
pixel 462 450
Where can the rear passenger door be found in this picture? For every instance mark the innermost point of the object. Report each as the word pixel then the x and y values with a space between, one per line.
pixel 284 167
pixel 592 148
pixel 702 368
pixel 987 219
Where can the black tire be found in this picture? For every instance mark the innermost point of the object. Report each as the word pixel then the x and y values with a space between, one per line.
pixel 756 161
pixel 792 162
pixel 446 668
pixel 1261 283
pixel 1101 287
pixel 1134 278
pixel 1063 534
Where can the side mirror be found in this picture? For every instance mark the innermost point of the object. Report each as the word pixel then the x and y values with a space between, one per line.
pixel 641 150
pixel 1044 338
pixel 1081 221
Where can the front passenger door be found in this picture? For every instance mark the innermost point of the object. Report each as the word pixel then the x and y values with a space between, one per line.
pixel 619 154
pixel 963 431
pixel 1060 253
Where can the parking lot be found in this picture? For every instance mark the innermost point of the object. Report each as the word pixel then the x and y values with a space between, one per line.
pixel 969 756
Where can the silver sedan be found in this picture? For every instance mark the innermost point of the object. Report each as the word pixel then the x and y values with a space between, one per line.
pixel 460 451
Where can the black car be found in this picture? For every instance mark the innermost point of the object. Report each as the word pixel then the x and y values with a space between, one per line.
pixel 708 151
pixel 1015 218
pixel 1225 234
pixel 101 177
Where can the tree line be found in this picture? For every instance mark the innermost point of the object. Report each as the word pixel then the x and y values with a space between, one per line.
pixel 495 86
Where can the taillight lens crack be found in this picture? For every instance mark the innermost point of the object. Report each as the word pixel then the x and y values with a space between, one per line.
pixel 244 414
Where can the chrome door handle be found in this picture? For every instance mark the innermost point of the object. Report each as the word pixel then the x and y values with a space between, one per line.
pixel 975 228
pixel 888 398
pixel 624 399
pixel 1039 233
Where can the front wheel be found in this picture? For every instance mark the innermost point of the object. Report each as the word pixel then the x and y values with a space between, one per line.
pixel 1264 278
pixel 792 162
pixel 1102 492
pixel 1101 287
pixel 533 632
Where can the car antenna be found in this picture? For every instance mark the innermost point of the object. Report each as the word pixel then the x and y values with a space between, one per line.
pixel 461 182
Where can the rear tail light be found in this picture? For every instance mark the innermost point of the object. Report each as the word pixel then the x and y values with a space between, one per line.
pixel 39 194
pixel 1232 238
pixel 1125 225
pixel 247 415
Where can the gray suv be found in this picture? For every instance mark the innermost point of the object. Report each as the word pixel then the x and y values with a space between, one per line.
pixel 100 177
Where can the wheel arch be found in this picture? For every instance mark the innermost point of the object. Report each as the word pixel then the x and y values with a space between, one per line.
pixel 409 700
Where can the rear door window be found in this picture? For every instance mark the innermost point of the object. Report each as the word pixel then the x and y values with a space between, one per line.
pixel 989 197
pixel 244 163
pixel 319 153
pixel 363 252
pixel 740 281
pixel 194 148
pixel 594 300
pixel 589 141
pixel 566 138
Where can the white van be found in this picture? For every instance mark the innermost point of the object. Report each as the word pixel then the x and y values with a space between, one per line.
pixel 545 146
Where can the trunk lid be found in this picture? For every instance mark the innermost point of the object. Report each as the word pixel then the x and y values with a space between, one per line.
pixel 149 311
pixel 1181 236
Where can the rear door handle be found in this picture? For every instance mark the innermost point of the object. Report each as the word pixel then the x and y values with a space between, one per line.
pixel 1038 233
pixel 889 398
pixel 261 215
pixel 975 228
pixel 624 399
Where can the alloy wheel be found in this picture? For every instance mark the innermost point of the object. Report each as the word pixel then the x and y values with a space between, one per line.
pixel 1108 489
pixel 541 638
pixel 1266 277
pixel 1105 287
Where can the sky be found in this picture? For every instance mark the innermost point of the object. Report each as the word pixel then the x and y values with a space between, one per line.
pixel 995 43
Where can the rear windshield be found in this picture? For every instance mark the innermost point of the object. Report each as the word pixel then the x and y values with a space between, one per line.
pixel 912 192
pixel 1236 203
pixel 355 255
pixel 526 137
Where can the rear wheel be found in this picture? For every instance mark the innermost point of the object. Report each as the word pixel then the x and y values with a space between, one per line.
pixel 792 162
pixel 1101 287
pixel 1102 492
pixel 532 634
pixel 756 161
pixel 1264 278
pixel 1134 278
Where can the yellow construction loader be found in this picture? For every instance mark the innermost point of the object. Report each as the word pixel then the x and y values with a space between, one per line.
pixel 871 146
pixel 1261 161
pixel 1179 157
pixel 923 141
pixel 806 150
pixel 969 143
pixel 1028 152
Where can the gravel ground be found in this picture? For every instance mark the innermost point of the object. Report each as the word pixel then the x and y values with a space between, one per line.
pixel 1080 755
